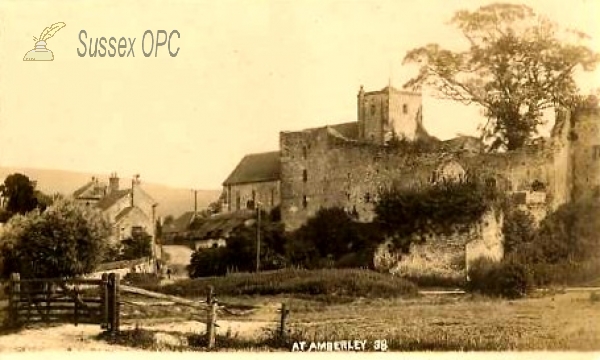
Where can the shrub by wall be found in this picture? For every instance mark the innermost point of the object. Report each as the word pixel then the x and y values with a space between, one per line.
pixel 509 278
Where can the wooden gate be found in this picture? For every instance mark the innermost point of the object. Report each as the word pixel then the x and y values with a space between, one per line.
pixel 78 301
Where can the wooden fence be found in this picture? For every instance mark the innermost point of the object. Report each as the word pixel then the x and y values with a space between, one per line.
pixel 78 301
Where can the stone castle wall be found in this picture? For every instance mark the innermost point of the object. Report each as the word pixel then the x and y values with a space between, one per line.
pixel 446 255
pixel 321 170
pixel 585 152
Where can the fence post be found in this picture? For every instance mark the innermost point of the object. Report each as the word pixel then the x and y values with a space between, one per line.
pixel 284 315
pixel 210 324
pixel 76 306
pixel 13 298
pixel 104 302
pixel 209 297
pixel 113 302
pixel 117 306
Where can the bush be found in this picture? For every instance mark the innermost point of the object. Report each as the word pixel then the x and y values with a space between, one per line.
pixel 518 228
pixel 448 205
pixel 333 238
pixel 509 278
pixel 208 262
pixel 66 240
pixel 330 283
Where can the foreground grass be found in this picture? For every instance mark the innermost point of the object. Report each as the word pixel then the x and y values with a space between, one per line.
pixel 330 283
pixel 561 322
pixel 554 322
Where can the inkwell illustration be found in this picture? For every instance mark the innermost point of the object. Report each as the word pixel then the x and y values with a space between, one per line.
pixel 40 52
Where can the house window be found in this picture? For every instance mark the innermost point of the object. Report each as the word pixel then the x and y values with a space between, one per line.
pixel 136 230
pixel 304 202
pixel 373 109
pixel 405 109
pixel 304 175
pixel 272 197
pixel 304 152
pixel 238 200
pixel 596 152
pixel 490 182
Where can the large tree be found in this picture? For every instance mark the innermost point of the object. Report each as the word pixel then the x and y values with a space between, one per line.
pixel 516 65
pixel 20 194
pixel 66 240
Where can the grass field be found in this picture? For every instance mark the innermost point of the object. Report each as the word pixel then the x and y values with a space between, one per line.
pixel 561 322
pixel 566 322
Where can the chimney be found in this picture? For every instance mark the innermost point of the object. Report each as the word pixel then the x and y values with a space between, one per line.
pixel 113 182
pixel 134 182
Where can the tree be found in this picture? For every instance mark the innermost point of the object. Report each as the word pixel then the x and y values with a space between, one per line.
pixel 329 236
pixel 240 253
pixel 137 246
pixel 66 240
pixel 518 229
pixel 517 65
pixel 20 193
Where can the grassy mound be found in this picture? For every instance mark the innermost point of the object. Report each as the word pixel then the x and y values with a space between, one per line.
pixel 330 282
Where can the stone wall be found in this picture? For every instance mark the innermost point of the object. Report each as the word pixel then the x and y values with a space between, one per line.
pixel 446 255
pixel 267 193
pixel 585 136
pixel 134 218
pixel 350 174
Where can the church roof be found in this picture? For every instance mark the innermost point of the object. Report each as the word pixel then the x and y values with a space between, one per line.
pixel 256 168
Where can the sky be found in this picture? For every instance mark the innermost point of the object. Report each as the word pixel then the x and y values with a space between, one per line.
pixel 245 71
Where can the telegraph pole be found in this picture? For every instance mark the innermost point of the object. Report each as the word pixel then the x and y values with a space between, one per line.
pixel 258 238
pixel 195 202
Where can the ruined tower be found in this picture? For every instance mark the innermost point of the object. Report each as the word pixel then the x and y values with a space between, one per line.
pixel 386 112
pixel 585 152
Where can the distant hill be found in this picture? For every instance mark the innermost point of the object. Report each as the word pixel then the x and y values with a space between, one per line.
pixel 171 201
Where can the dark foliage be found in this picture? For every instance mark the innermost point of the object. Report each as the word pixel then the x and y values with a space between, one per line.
pixel 509 278
pixel 333 238
pixel 65 241
pixel 20 194
pixel 518 229
pixel 441 208
pixel 208 262
pixel 240 253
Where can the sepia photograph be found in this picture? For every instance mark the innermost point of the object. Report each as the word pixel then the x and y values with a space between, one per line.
pixel 219 178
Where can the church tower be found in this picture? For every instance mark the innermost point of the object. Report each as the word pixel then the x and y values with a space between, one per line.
pixel 386 112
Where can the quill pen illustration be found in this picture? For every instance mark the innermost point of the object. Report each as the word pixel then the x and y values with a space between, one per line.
pixel 40 52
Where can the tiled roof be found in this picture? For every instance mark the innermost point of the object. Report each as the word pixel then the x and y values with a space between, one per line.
pixel 110 199
pixel 181 224
pixel 124 213
pixel 256 168
pixel 92 189
pixel 222 224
